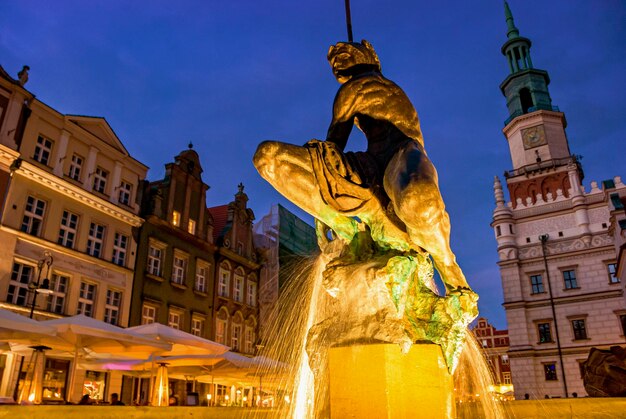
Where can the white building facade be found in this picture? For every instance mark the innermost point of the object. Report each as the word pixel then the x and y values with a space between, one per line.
pixel 556 241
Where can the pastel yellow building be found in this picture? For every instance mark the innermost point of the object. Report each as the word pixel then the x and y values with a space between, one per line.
pixel 69 207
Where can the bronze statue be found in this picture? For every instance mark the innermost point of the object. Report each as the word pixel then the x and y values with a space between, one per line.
pixel 391 187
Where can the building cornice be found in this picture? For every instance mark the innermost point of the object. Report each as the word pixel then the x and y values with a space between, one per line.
pixel 539 114
pixel 569 299
pixel 7 156
pixel 51 181
pixel 553 351
pixel 38 241
pixel 224 251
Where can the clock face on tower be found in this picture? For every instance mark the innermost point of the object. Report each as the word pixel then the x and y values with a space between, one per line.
pixel 533 137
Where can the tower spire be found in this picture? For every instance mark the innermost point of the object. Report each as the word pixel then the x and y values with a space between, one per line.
pixel 512 31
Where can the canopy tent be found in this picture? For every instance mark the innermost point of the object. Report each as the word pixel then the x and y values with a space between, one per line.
pixel 17 328
pixel 89 338
pixel 182 343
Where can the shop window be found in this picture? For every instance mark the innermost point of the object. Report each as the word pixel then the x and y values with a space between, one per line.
pixel 94 385
pixel 55 380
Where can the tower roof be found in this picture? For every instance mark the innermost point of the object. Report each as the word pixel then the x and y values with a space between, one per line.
pixel 512 31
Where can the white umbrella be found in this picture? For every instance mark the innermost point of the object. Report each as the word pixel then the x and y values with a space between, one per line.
pixel 183 343
pixel 17 328
pixel 85 334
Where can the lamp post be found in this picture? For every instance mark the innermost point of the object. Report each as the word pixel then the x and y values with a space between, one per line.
pixel 37 287
pixel 41 286
pixel 544 246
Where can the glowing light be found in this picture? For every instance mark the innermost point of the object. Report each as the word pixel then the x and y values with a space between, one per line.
pixel 226 397
pixel 245 399
pixel 208 397
pixel 31 397
pixel 287 400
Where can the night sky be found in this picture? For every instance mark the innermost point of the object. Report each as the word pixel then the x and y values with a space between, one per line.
pixel 226 75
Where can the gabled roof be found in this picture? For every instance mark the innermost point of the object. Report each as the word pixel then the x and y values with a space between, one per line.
pixel 220 220
pixel 99 127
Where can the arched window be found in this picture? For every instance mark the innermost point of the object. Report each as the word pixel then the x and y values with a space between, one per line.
pixel 526 100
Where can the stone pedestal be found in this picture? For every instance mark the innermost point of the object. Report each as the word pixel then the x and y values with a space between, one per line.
pixel 378 381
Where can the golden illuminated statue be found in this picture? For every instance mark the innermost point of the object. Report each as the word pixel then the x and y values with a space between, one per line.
pixel 391 187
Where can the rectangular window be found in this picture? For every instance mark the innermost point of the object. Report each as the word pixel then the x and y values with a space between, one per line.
pixel 536 281
pixel 67 230
pixel 201 273
pixel 236 338
pixel 251 298
pixel 505 359
pixel 197 326
pixel 544 333
pixel 249 340
pixel 18 286
pixel 224 283
pixel 578 326
pixel 58 286
pixel 112 308
pixel 148 314
pixel 220 331
pixel 176 218
pixel 549 371
pixel 86 299
pixel 42 150
pixel 95 240
pixel 125 191
pixel 506 377
pixel 179 270
pixel 174 319
pixel 191 228
pixel 100 180
pixel 120 244
pixel 569 278
pixel 612 267
pixel 155 257
pixel 75 167
pixel 238 289
pixel 622 320
pixel 33 216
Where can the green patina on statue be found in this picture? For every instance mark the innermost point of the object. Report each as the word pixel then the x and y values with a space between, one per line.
pixel 385 214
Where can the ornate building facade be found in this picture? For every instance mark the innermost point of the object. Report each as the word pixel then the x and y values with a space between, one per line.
pixel 176 255
pixel 556 241
pixel 495 344
pixel 69 213
pixel 236 286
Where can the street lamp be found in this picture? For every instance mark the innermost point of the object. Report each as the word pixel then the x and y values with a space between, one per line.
pixel 41 286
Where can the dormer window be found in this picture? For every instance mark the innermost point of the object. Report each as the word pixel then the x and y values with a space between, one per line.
pixel 191 227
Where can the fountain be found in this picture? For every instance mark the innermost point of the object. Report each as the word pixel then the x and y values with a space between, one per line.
pixel 369 321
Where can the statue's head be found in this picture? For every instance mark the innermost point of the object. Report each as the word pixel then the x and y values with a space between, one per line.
pixel 350 58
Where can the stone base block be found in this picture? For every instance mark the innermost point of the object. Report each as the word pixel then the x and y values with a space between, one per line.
pixel 379 381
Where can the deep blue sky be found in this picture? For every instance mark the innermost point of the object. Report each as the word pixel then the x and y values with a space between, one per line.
pixel 229 74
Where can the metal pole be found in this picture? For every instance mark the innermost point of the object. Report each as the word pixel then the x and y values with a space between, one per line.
pixel 348 20
pixel 544 240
